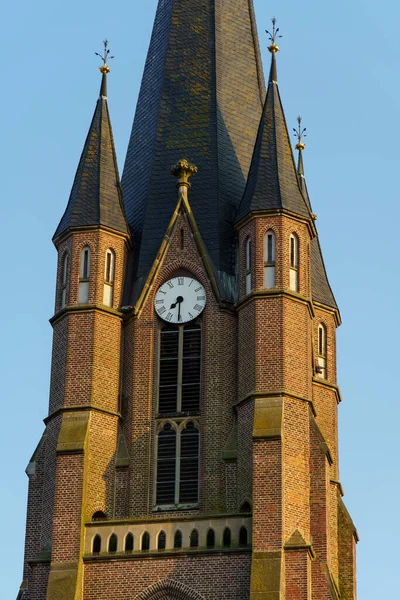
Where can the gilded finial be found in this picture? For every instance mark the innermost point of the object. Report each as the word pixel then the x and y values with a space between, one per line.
pixel 300 133
pixel 104 69
pixel 182 171
pixel 273 37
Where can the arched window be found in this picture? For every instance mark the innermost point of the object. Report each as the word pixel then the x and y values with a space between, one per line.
pixel 178 465
pixel 243 539
pixel 248 266
pixel 180 370
pixel 129 543
pixel 178 540
pixel 210 538
pixel 226 540
pixel 321 356
pixel 145 546
pixel 99 515
pixel 245 507
pixel 112 543
pixel 109 271
pixel 96 547
pixel 64 280
pixel 84 274
pixel 161 541
pixel 194 539
pixel 294 262
pixel 269 259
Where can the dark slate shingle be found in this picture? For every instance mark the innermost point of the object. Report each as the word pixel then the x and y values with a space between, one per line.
pixel 95 197
pixel 272 182
pixel 200 99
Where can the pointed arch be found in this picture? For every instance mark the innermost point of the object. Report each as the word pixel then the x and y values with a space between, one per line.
pixel 113 543
pixel 84 275
pixel 163 590
pixel 129 542
pixel 109 274
pixel 321 351
pixel 269 259
pixel 161 541
pixel 248 265
pixel 178 539
pixel 294 261
pixel 96 544
pixel 64 278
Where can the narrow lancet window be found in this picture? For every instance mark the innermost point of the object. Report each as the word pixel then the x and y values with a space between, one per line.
pixel 321 357
pixel 129 543
pixel 113 543
pixel 210 538
pixel 243 541
pixel 194 539
pixel 84 274
pixel 294 262
pixel 96 544
pixel 145 542
pixel 227 538
pixel 161 541
pixel 248 266
pixel 109 270
pixel 64 280
pixel 269 259
pixel 178 540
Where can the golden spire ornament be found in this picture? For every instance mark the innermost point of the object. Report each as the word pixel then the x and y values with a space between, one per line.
pixel 273 37
pixel 300 133
pixel 104 69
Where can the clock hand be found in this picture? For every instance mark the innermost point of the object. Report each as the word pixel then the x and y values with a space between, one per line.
pixel 179 301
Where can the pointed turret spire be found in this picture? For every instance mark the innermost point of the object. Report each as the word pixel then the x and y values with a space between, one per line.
pixel 300 133
pixel 201 97
pixel 96 197
pixel 272 183
pixel 321 290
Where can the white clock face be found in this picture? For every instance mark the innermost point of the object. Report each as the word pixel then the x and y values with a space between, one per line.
pixel 180 300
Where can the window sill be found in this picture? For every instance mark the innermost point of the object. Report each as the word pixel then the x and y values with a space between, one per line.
pixel 170 507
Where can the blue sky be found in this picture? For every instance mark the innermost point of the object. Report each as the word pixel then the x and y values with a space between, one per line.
pixel 338 67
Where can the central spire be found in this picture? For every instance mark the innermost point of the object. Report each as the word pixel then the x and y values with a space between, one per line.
pixel 201 97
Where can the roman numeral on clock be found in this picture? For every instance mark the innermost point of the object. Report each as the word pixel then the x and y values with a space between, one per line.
pixel 168 317
pixel 201 297
pixel 197 307
pixel 171 285
pixel 162 301
pixel 162 310
pixel 180 280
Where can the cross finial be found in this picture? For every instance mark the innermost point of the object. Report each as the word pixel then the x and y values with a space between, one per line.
pixel 300 133
pixel 273 37
pixel 104 57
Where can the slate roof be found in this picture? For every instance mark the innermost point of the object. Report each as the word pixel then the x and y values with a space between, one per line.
pixel 96 197
pixel 201 99
pixel 320 288
pixel 272 182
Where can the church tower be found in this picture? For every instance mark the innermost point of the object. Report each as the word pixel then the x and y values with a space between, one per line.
pixel 190 451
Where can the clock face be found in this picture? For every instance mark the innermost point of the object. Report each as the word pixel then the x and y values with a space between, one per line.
pixel 180 300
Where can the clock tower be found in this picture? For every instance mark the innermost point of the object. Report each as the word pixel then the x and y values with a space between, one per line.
pixel 190 450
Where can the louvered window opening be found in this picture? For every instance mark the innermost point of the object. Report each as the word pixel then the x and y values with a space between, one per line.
pixel 180 370
pixel 178 465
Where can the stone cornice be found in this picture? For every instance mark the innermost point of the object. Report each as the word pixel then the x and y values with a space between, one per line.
pixel 329 309
pixel 80 408
pixel 167 519
pixel 331 386
pixel 282 212
pixel 73 308
pixel 277 293
pixel 72 230
pixel 274 394
pixel 107 557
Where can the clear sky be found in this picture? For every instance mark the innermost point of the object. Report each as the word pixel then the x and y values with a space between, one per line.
pixel 339 68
